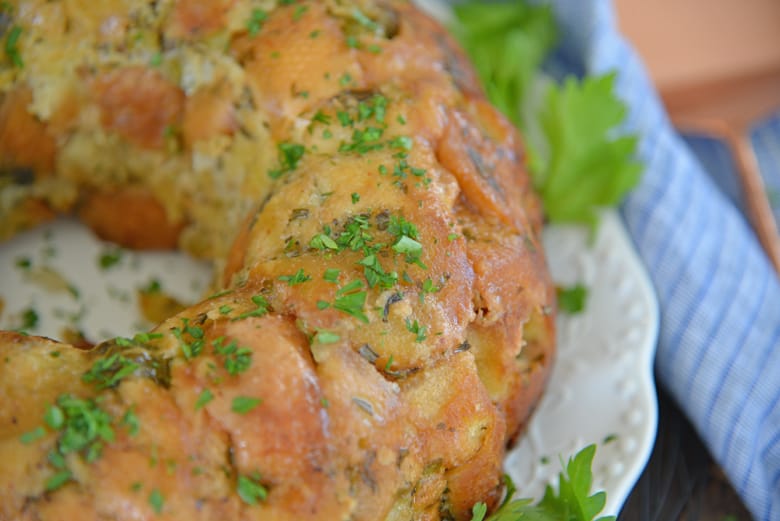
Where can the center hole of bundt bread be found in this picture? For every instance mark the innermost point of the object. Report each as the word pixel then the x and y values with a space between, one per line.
pixel 59 280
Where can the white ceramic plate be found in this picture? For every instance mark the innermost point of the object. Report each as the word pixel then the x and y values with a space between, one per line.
pixel 601 390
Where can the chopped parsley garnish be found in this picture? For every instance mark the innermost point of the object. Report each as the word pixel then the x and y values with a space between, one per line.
pixel 203 399
pixel 29 319
pixel 364 141
pixel 344 118
pixel 219 294
pixel 33 435
pixel 399 226
pixel 406 242
pixel 572 300
pixel 190 349
pixel 299 12
pixel 428 287
pixel 355 197
pixel 82 428
pixel 11 48
pixel 157 501
pixel 365 21
pixel 298 278
pixel 131 421
pixel 138 339
pixel 23 263
pixel 376 107
pixel 375 274
pixel 408 246
pixel 323 242
pixel 354 236
pixel 326 337
pixel 417 329
pixel 256 22
pixel 331 275
pixel 154 286
pixel 352 42
pixel 402 143
pixel 110 258
pixel 109 371
pixel 250 490
pixel 345 79
pixel 289 156
pixel 352 301
pixel 321 117
pixel 244 404
pixel 352 286
pixel 237 359
pixel 259 311
pixel 57 480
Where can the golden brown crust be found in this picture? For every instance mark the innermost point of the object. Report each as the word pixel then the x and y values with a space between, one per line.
pixel 131 217
pixel 386 324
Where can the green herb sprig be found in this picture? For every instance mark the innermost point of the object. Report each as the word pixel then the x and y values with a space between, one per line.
pixel 572 502
pixel 580 162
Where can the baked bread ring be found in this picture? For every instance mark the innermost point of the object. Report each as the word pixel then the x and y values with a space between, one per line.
pixel 383 319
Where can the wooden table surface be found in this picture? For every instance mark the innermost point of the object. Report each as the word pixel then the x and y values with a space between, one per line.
pixel 681 482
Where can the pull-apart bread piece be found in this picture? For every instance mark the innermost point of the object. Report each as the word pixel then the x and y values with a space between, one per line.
pixel 383 320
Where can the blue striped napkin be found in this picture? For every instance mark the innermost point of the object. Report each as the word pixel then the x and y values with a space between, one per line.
pixel 719 344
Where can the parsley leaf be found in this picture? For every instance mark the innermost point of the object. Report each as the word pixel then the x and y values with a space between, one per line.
pixel 250 490
pixel 331 275
pixel 237 359
pixel 587 167
pixel 256 22
pixel 109 371
pixel 299 277
pixel 352 304
pixel 244 404
pixel 417 329
pixel 203 398
pixel 572 502
pixel 156 501
pixel 289 156
pixel 578 162
pixel 110 258
pixel 11 48
pixel 29 319
pixel 572 300
pixel 326 337
pixel 33 435
pixel 507 42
